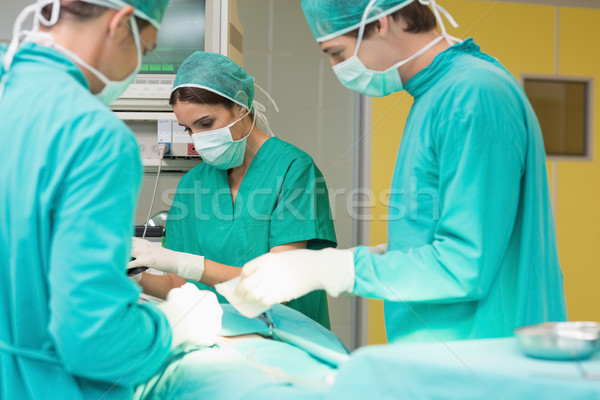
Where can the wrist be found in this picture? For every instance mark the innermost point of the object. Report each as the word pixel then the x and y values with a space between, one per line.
pixel 190 266
pixel 337 273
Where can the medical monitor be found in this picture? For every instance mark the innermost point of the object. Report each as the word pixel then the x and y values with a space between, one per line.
pixel 188 26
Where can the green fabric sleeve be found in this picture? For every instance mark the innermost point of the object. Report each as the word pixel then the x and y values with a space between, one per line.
pixel 303 211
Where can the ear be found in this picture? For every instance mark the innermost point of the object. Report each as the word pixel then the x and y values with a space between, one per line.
pixel 120 21
pixel 384 26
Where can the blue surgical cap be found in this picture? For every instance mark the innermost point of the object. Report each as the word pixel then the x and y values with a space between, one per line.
pixel 152 11
pixel 332 18
pixel 218 74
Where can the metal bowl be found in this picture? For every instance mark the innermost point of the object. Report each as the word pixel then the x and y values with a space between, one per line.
pixel 559 340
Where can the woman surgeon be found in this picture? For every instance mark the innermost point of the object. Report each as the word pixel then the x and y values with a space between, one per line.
pixel 252 195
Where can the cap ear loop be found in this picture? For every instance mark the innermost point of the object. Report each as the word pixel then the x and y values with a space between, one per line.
pixel 361 30
pixel 436 8
pixel 259 110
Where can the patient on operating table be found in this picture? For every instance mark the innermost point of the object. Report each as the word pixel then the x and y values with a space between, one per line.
pixel 282 354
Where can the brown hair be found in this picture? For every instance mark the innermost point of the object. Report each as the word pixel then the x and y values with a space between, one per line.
pixel 418 17
pixel 199 96
pixel 85 11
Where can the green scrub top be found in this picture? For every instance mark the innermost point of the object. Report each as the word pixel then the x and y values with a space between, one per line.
pixel 70 325
pixel 472 244
pixel 282 199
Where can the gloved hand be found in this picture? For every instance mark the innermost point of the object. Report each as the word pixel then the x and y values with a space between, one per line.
pixel 136 278
pixel 194 315
pixel 153 255
pixel 279 277
pixel 246 308
pixel 379 249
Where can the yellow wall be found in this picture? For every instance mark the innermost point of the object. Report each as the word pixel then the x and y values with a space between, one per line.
pixel 388 115
pixel 578 183
pixel 522 37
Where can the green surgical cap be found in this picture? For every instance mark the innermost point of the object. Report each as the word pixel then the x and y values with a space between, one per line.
pixel 331 18
pixel 152 11
pixel 218 74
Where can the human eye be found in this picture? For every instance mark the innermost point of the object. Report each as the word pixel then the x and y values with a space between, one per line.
pixel 206 124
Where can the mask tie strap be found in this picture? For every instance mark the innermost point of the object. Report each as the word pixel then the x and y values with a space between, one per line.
pixel 17 34
pixel 419 53
pixel 53 17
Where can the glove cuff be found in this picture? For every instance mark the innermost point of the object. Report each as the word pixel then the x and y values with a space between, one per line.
pixel 337 273
pixel 191 266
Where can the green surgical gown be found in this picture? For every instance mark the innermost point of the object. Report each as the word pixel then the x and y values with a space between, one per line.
pixel 472 244
pixel 282 199
pixel 70 325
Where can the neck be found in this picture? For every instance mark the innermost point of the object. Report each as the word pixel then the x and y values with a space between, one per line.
pixel 82 41
pixel 413 67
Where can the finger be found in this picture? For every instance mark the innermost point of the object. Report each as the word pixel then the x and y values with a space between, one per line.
pixel 259 263
pixel 136 242
pixel 137 250
pixel 269 300
pixel 241 290
pixel 258 294
pixel 135 263
pixel 247 285
pixel 250 268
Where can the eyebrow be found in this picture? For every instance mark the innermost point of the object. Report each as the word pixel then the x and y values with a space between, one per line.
pixel 199 120
pixel 330 48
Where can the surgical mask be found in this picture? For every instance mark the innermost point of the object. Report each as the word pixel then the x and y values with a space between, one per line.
pixel 218 149
pixel 112 89
pixel 354 75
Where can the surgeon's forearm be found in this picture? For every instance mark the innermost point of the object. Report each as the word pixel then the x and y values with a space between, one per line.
pixel 160 285
pixel 215 272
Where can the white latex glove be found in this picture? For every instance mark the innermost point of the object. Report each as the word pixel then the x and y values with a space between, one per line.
pixel 194 315
pixel 379 249
pixel 153 255
pixel 279 277
pixel 248 309
pixel 136 278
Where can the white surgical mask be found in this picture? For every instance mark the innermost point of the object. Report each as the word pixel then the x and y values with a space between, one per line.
pixel 354 75
pixel 218 149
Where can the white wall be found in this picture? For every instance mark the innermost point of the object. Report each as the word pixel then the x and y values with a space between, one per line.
pixel 9 9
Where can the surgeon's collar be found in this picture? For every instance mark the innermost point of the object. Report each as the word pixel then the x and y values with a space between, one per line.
pixel 428 76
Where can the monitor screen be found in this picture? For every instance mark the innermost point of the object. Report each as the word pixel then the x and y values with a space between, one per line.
pixel 181 34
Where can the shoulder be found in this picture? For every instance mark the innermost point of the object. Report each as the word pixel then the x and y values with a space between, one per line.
pixel 288 156
pixel 477 82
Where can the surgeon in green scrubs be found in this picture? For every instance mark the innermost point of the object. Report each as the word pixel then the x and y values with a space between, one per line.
pixel 252 195
pixel 472 249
